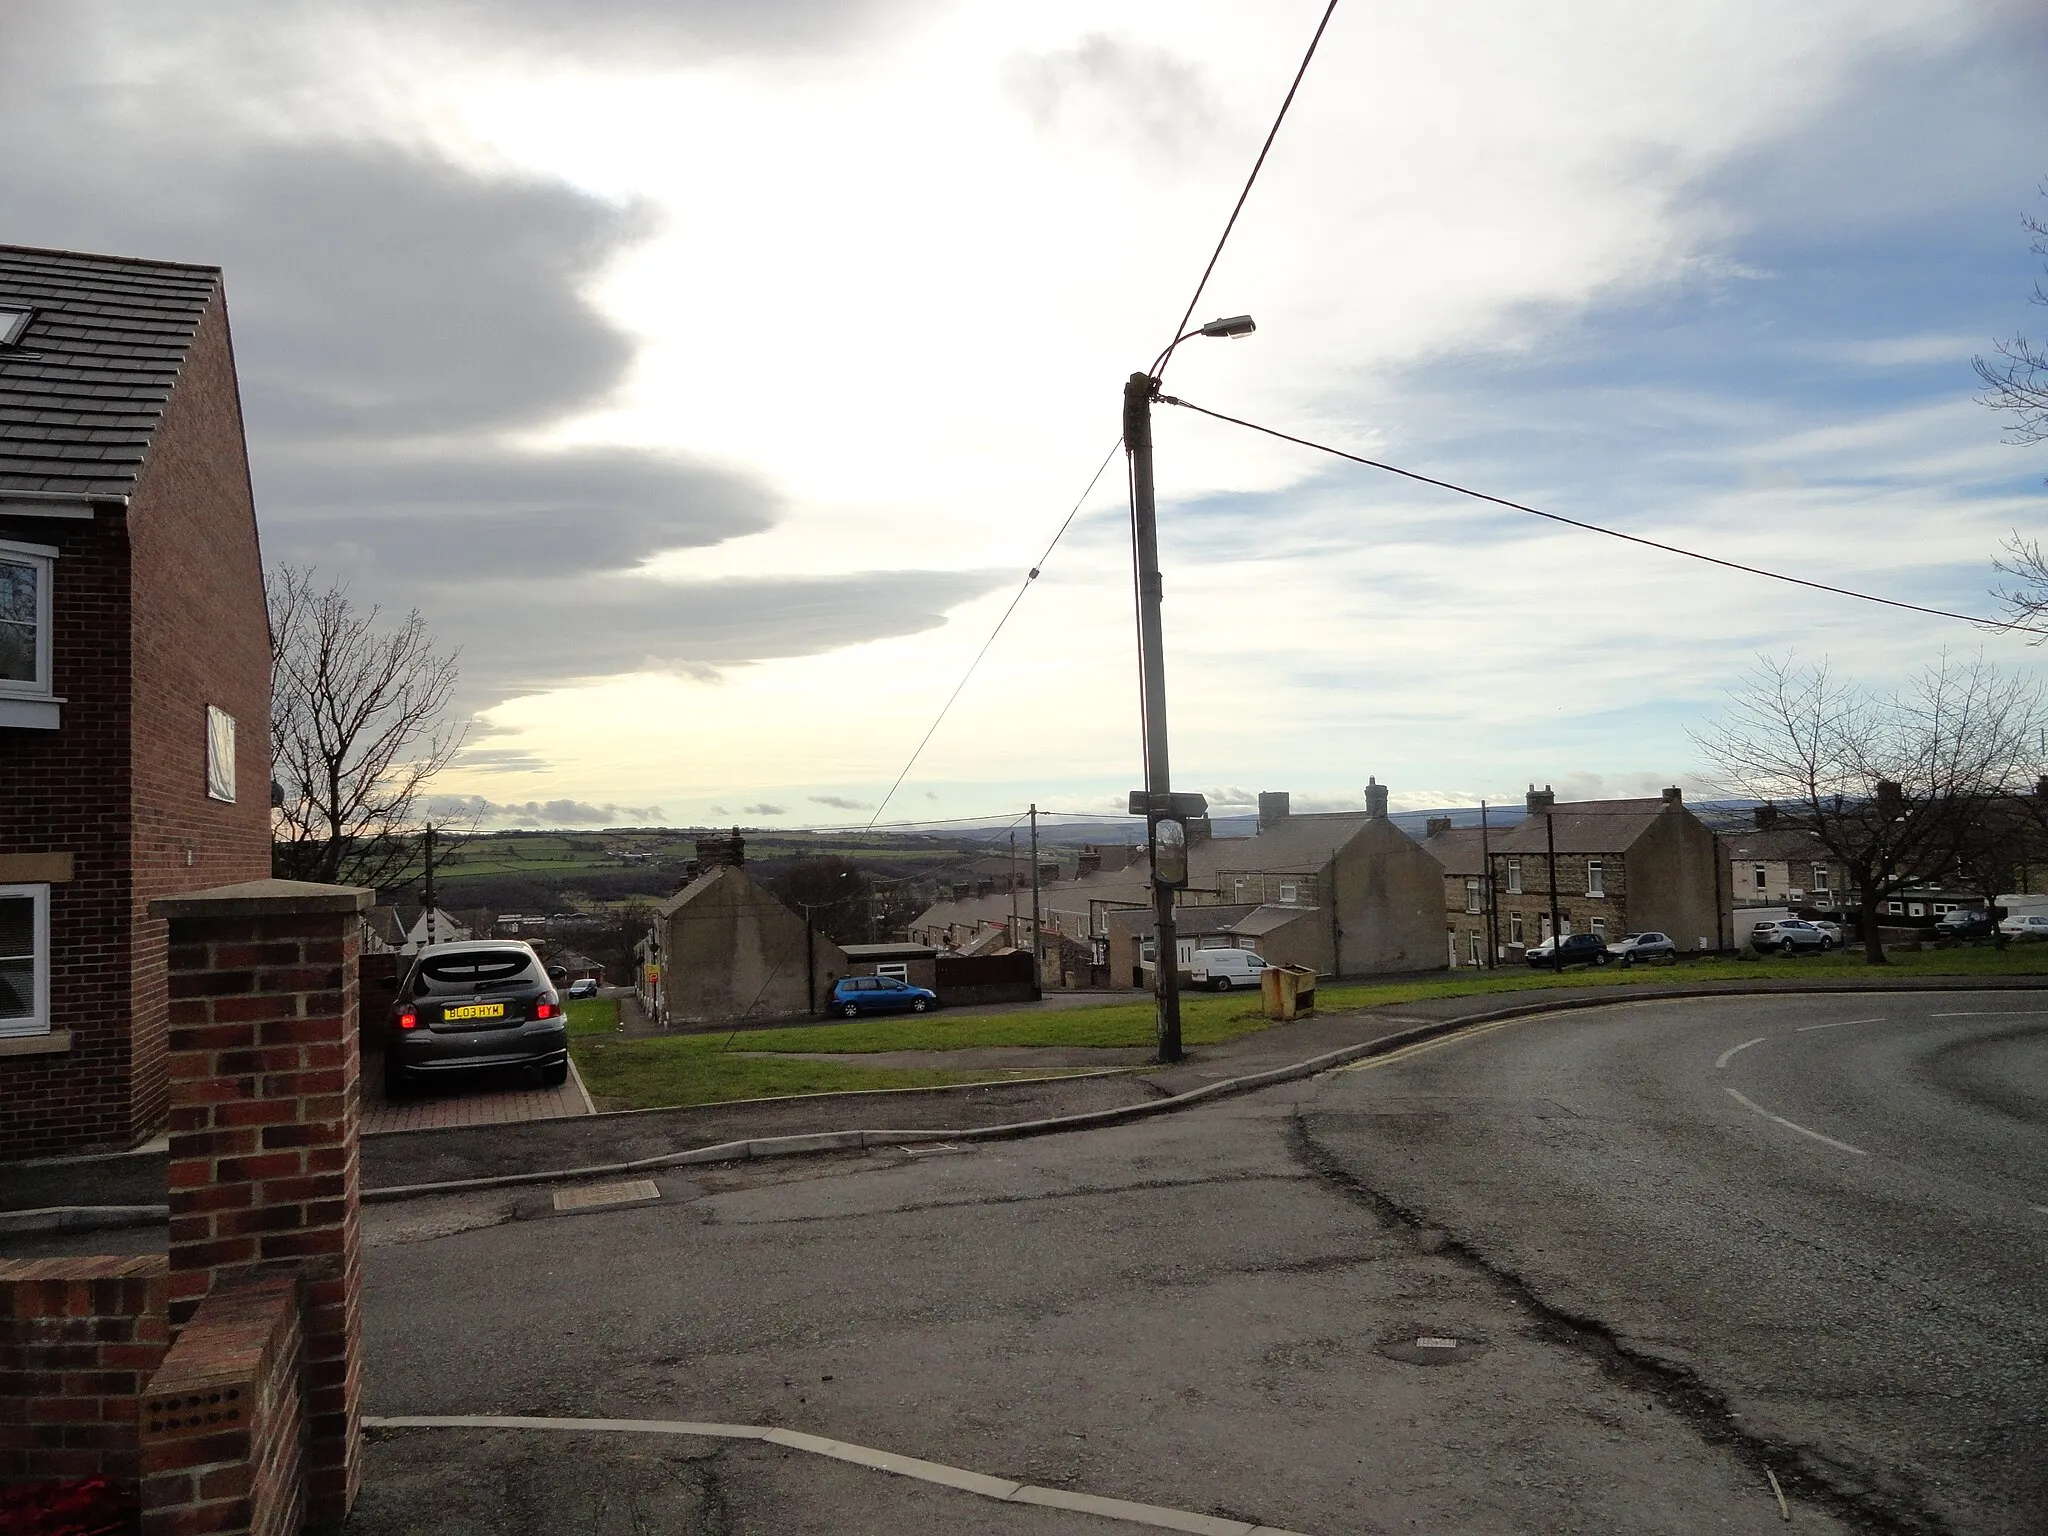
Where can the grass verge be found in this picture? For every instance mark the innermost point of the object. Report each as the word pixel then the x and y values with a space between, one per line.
pixel 592 1016
pixel 679 1070
pixel 696 1069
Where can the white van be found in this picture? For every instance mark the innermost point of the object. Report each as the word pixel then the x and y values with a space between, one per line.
pixel 1222 969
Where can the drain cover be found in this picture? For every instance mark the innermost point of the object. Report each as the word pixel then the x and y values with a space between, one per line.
pixel 593 1195
pixel 1431 1346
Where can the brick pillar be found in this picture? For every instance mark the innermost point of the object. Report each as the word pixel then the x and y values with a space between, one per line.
pixel 265 1111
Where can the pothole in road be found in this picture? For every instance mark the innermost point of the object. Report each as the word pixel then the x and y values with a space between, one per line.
pixel 1431 1345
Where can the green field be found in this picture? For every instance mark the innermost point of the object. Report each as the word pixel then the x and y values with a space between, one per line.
pixel 708 1069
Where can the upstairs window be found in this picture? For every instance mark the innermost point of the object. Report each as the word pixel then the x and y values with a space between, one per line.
pixel 1761 875
pixel 1515 877
pixel 1290 892
pixel 1472 903
pixel 1596 878
pixel 1820 877
pixel 24 960
pixel 25 669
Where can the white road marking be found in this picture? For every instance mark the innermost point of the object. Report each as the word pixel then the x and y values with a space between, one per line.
pixel 1000 1488
pixel 1726 1056
pixel 1751 1104
pixel 1993 1013
pixel 1809 1028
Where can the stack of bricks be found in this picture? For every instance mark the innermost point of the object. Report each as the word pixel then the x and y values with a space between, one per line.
pixel 222 1423
pixel 264 1133
pixel 79 1338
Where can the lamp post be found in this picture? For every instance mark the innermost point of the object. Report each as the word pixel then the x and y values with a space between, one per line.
pixel 1165 813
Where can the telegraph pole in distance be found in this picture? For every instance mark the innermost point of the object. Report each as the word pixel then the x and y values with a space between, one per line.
pixel 1492 902
pixel 429 892
pixel 1036 979
pixel 1556 924
pixel 1013 885
pixel 1152 700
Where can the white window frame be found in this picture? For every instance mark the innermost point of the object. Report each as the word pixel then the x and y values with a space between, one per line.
pixel 38 1021
pixel 1916 909
pixel 1599 928
pixel 1290 893
pixel 1821 876
pixel 1473 899
pixel 1596 877
pixel 1763 878
pixel 34 700
pixel 1514 927
pixel 1474 947
pixel 900 969
pixel 1898 907
pixel 1514 877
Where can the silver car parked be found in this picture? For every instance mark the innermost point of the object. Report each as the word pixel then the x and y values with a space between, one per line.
pixel 465 1006
pixel 1788 934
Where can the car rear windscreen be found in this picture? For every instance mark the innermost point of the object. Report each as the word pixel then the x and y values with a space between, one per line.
pixel 468 970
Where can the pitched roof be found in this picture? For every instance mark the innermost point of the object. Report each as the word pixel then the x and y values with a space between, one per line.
pixel 83 388
pixel 1773 843
pixel 1585 826
pixel 1458 849
pixel 1298 845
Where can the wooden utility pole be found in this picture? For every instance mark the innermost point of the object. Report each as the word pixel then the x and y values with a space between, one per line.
pixel 1556 924
pixel 1138 391
pixel 1036 979
pixel 1013 887
pixel 1492 900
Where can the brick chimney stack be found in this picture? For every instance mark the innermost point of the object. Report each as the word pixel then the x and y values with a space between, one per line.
pixel 1375 799
pixel 1540 800
pixel 1674 796
pixel 715 852
pixel 1766 817
pixel 1272 808
pixel 1438 824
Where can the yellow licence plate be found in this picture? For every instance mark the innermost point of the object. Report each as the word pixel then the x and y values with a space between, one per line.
pixel 475 1011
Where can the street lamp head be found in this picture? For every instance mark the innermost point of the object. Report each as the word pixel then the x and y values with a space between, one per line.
pixel 1230 325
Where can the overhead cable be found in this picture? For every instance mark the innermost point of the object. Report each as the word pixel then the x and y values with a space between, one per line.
pixel 1612 533
pixel 1024 586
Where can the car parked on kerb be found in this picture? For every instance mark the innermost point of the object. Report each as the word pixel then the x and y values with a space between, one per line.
pixel 1788 935
pixel 1577 949
pixel 853 996
pixel 1635 948
pixel 466 1006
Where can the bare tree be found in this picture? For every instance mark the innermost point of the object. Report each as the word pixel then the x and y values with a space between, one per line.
pixel 1897 787
pixel 357 732
pixel 2017 379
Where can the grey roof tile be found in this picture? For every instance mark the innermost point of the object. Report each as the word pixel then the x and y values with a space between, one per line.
pixel 82 391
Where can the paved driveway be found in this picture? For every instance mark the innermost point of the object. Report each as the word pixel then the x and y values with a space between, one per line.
pixel 477 1098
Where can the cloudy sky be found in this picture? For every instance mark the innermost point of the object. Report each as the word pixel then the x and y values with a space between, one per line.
pixel 710 372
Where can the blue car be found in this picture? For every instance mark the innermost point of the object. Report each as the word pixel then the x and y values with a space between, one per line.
pixel 856 995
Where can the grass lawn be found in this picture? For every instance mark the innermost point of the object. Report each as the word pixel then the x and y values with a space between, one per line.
pixel 697 1069
pixel 702 1069
pixel 592 1016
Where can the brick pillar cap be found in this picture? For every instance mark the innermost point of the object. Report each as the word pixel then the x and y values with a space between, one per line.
pixel 265 898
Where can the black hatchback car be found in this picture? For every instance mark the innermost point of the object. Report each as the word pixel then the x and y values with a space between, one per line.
pixel 471 1005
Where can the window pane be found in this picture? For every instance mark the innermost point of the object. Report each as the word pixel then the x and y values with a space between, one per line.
pixel 17 989
pixel 17 927
pixel 17 591
pixel 17 652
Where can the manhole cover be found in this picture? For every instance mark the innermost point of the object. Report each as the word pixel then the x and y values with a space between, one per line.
pixel 1431 1346
pixel 593 1195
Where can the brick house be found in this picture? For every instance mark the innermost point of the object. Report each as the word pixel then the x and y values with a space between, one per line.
pixel 134 675
pixel 1770 865
pixel 1623 866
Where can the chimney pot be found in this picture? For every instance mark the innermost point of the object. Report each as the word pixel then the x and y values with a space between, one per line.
pixel 1540 800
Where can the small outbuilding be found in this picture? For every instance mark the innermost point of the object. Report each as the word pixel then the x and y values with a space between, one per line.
pixel 917 964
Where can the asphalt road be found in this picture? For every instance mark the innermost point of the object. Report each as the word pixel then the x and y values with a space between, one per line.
pixel 1196 1312
pixel 1825 1218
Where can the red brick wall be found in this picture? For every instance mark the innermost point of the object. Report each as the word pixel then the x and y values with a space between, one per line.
pixel 222 1424
pixel 265 1164
pixel 156 616
pixel 65 791
pixel 79 1338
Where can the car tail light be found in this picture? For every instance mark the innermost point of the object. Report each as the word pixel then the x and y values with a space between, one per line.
pixel 409 1019
pixel 543 1009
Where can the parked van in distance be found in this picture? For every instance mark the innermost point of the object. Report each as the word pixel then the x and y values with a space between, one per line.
pixel 1221 969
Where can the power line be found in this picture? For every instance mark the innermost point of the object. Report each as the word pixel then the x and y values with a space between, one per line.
pixel 1023 587
pixel 1271 134
pixel 1612 533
